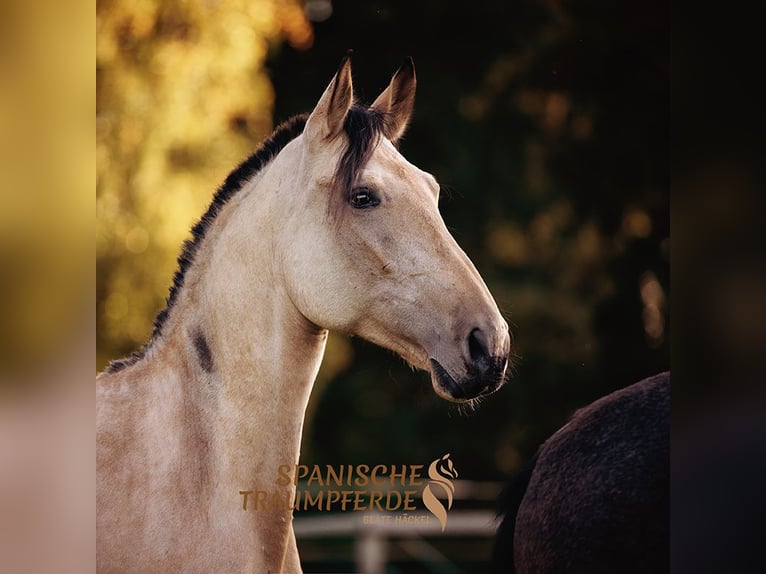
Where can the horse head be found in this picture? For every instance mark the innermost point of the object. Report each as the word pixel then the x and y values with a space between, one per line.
pixel 366 252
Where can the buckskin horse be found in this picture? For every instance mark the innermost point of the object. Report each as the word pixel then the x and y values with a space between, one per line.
pixel 326 227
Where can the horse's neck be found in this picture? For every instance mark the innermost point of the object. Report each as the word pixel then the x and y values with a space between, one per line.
pixel 250 355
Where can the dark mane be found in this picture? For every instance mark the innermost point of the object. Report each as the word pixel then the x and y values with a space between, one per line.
pixel 363 128
pixel 282 136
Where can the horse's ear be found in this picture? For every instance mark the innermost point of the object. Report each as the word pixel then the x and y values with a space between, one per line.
pixel 326 121
pixel 398 100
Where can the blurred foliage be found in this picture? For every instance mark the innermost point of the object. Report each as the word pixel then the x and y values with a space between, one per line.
pixel 46 145
pixel 182 97
pixel 545 122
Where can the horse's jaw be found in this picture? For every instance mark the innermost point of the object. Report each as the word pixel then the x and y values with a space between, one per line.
pixel 462 385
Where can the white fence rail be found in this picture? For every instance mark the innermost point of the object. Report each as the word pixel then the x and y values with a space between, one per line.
pixel 374 533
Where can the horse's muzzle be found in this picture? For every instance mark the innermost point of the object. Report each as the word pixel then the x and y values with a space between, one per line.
pixel 476 383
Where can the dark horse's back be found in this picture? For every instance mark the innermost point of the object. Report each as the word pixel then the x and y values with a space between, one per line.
pixel 595 497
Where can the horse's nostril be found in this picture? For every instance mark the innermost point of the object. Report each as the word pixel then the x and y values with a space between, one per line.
pixel 478 349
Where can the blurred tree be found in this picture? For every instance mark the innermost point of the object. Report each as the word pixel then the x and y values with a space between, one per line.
pixel 545 121
pixel 547 124
pixel 182 97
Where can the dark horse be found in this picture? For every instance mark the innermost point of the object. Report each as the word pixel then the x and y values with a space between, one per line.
pixel 594 498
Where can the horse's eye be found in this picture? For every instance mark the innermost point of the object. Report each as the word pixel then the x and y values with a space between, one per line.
pixel 363 197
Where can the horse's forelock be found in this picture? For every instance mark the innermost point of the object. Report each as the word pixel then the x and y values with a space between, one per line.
pixel 363 128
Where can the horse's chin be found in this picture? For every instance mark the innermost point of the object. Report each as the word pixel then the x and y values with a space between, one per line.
pixel 462 391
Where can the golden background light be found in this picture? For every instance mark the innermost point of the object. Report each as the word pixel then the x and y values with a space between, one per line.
pixel 182 97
